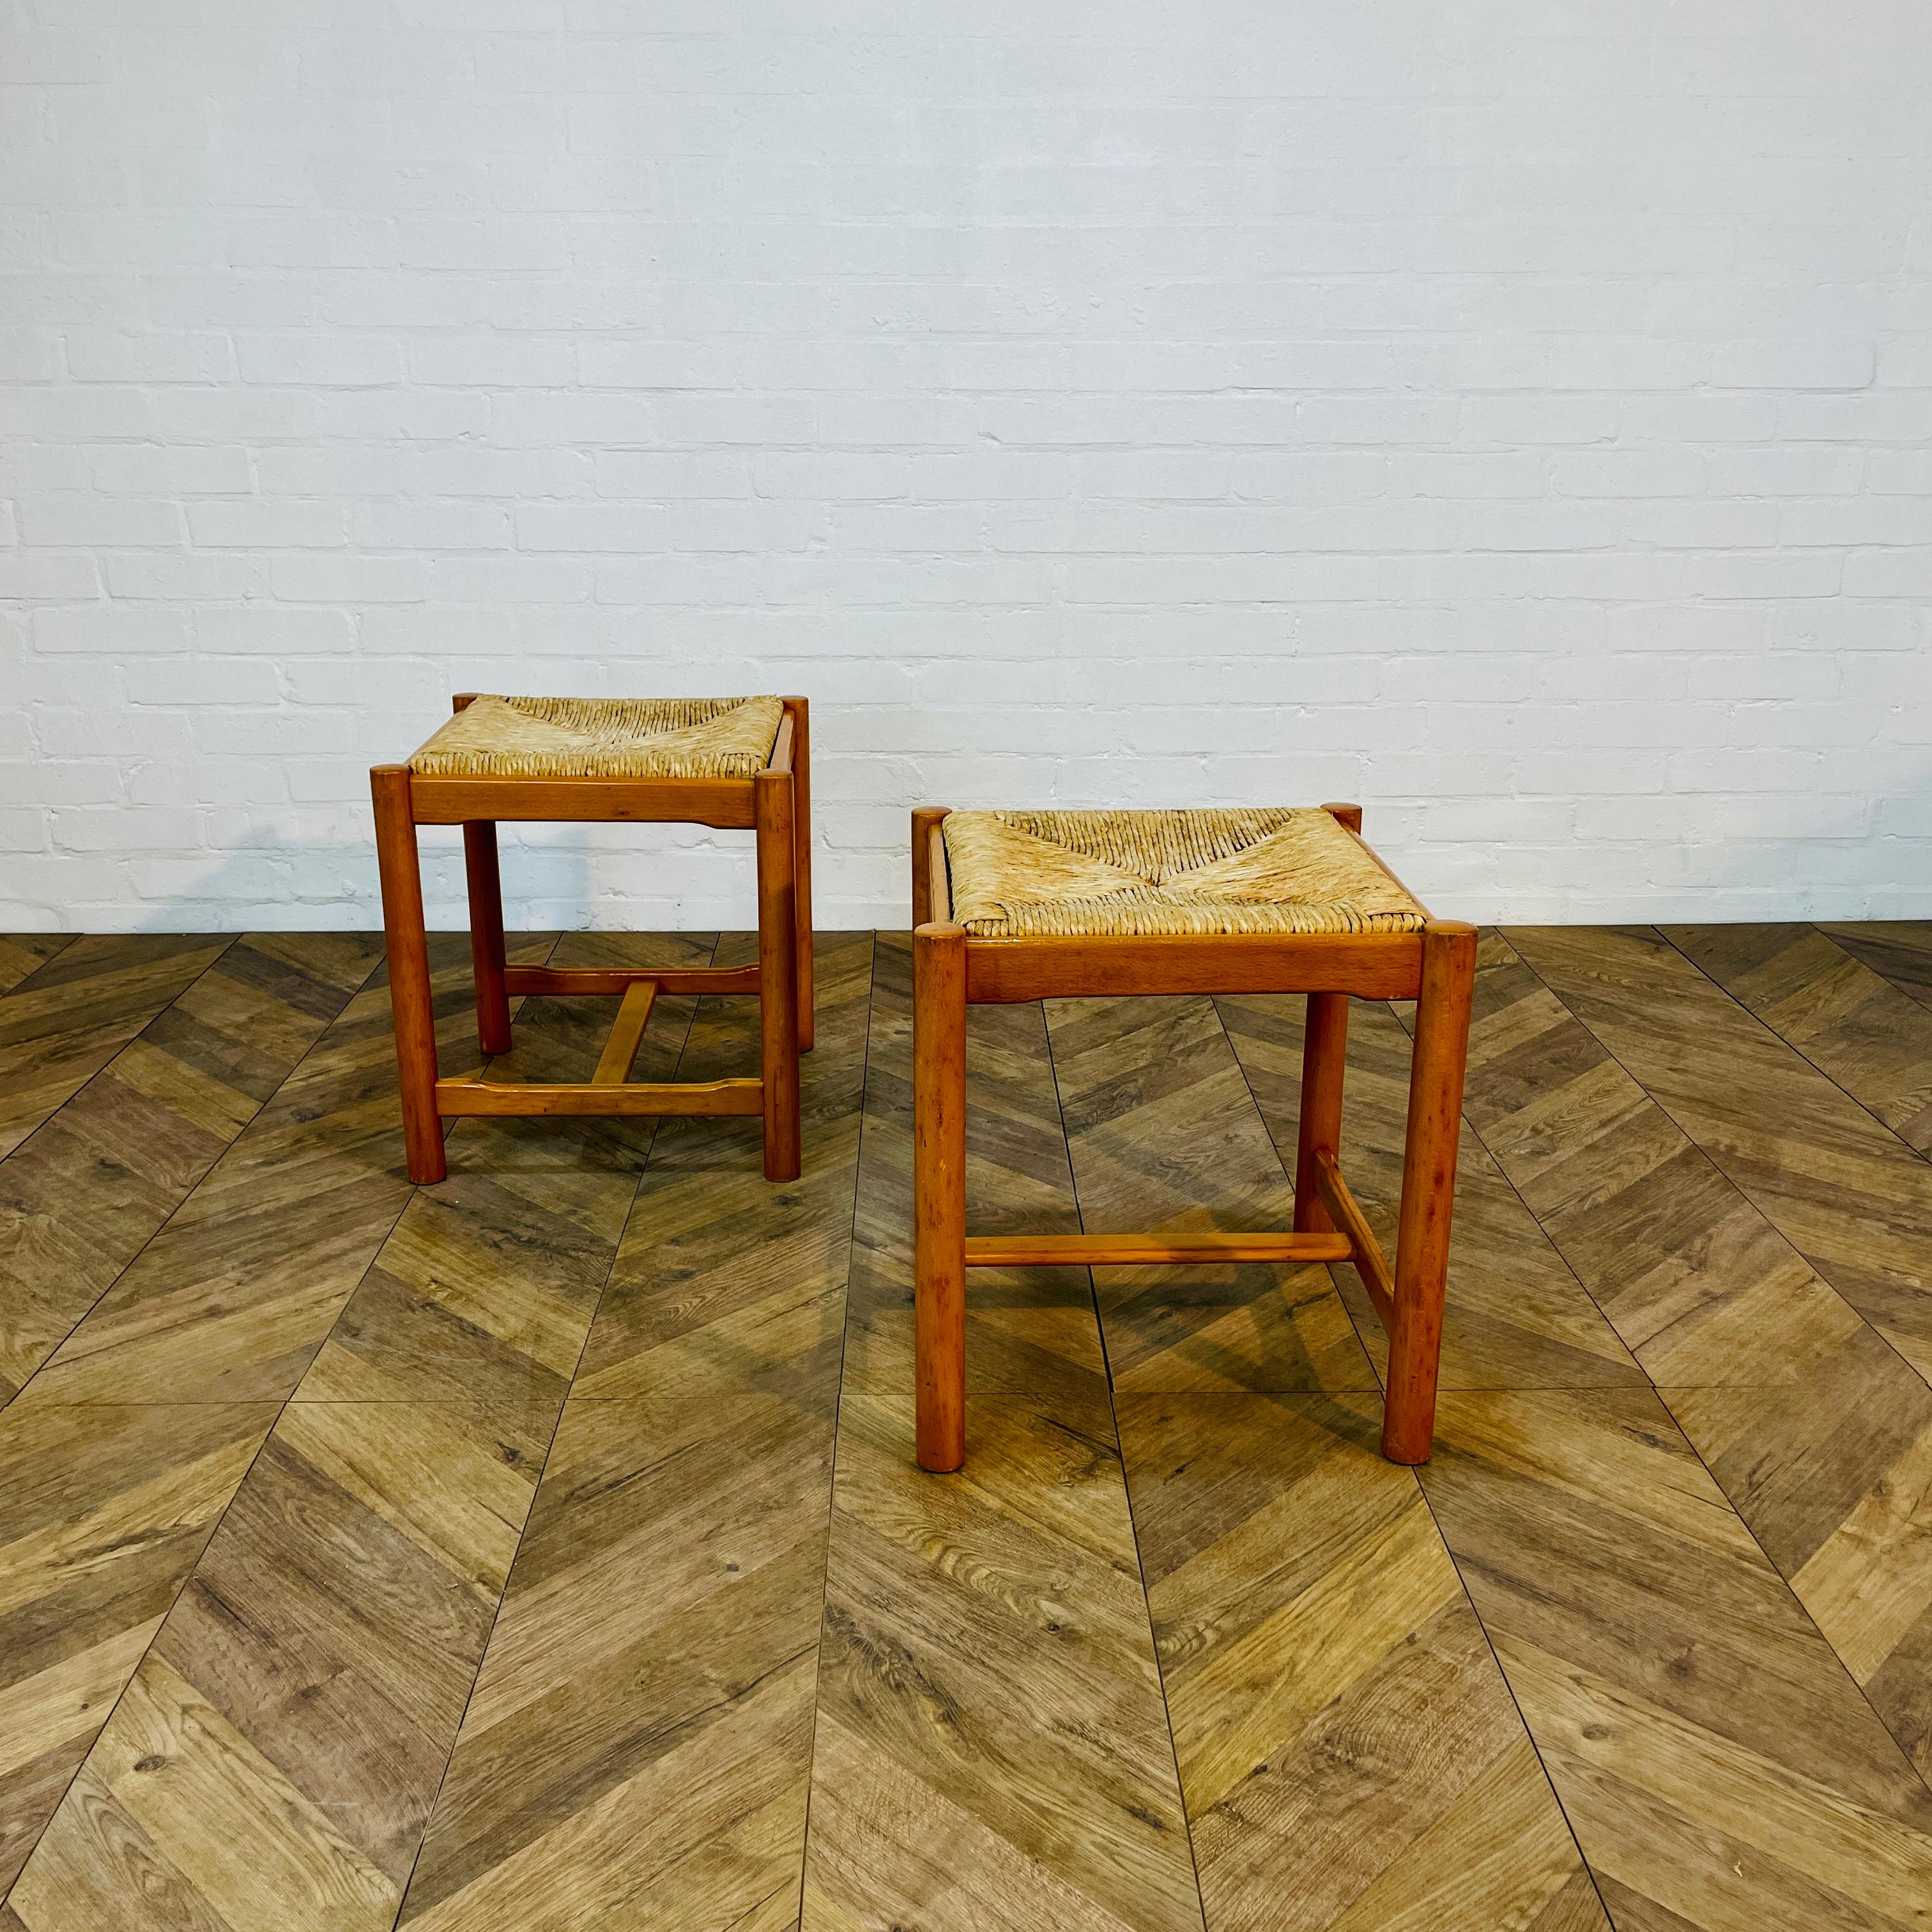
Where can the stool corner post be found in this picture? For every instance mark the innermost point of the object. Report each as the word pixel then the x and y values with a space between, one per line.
pixel 406 938
pixel 484 878
pixel 773 799
pixel 1324 1059
pixel 939 1192
pixel 800 709
pixel 1436 1075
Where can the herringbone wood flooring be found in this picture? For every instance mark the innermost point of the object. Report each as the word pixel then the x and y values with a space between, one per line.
pixel 545 1550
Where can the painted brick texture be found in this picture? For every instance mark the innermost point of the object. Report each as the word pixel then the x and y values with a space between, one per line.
pixel 1515 415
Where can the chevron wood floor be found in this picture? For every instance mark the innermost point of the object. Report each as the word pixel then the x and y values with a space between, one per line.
pixel 543 1550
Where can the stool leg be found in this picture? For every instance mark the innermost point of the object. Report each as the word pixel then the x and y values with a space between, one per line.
pixel 778 973
pixel 410 997
pixel 486 934
pixel 1324 1059
pixel 1428 1187
pixel 939 1192
pixel 801 788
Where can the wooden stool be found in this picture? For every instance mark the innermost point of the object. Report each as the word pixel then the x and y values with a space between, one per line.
pixel 1026 905
pixel 729 762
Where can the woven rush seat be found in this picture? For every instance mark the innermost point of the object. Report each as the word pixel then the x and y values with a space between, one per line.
pixel 604 738
pixel 1036 874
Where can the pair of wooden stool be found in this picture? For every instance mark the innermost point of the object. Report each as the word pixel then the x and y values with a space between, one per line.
pixel 1007 906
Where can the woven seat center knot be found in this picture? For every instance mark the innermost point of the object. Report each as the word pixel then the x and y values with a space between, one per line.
pixel 604 738
pixel 1290 869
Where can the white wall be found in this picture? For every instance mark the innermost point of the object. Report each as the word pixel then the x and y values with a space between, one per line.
pixel 1514 414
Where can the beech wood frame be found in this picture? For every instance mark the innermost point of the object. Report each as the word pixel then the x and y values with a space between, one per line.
pixel 775 803
pixel 953 969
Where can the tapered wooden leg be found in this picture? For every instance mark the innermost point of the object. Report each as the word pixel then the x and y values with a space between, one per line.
pixel 777 974
pixel 801 790
pixel 486 934
pixel 939 1191
pixel 1324 1059
pixel 409 997
pixel 1428 1187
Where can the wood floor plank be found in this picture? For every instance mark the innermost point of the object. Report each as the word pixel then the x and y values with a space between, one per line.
pixel 1899 950
pixel 992 1749
pixel 25 953
pixel 1701 1287
pixel 1810 1421
pixel 1846 1192
pixel 1164 1135
pixel 232 1298
pixel 1719 1767
pixel 63 1022
pixel 276 1755
pixel 487 1286
pixel 637 1746
pixel 1834 1478
pixel 723 1281
pixel 1850 1022
pixel 1350 1753
pixel 752 1669
pixel 103 1513
pixel 85 1193
pixel 323 1654
pixel 1030 1332
pixel 1515 1315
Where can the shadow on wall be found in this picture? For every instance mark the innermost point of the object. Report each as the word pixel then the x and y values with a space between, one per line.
pixel 632 877
pixel 1808 856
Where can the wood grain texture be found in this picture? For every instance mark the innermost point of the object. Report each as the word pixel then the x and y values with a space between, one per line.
pixel 103 1514
pixel 232 1298
pixel 487 1286
pixel 1900 950
pixel 1700 1286
pixel 1834 1478
pixel 723 1281
pixel 637 1747
pixel 1178 1648
pixel 63 1022
pixel 1852 1197
pixel 1515 1315
pixel 992 1752
pixel 1849 1022
pixel 991 1747
pixel 1164 1135
pixel 22 954
pixel 1812 1423
pixel 282 1743
pixel 1718 1767
pixel 1350 1753
pixel 274 1757
pixel 82 1195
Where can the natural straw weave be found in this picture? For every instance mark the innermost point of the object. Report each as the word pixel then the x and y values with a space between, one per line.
pixel 1031 874
pixel 604 738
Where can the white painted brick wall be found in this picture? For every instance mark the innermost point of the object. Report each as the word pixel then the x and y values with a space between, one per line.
pixel 1514 414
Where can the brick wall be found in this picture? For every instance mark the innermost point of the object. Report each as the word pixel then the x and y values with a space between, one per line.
pixel 1515 415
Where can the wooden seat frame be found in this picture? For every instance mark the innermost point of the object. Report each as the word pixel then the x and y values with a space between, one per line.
pixel 953 968
pixel 775 803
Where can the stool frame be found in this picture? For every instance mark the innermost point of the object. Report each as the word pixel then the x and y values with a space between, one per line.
pixel 775 803
pixel 952 969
